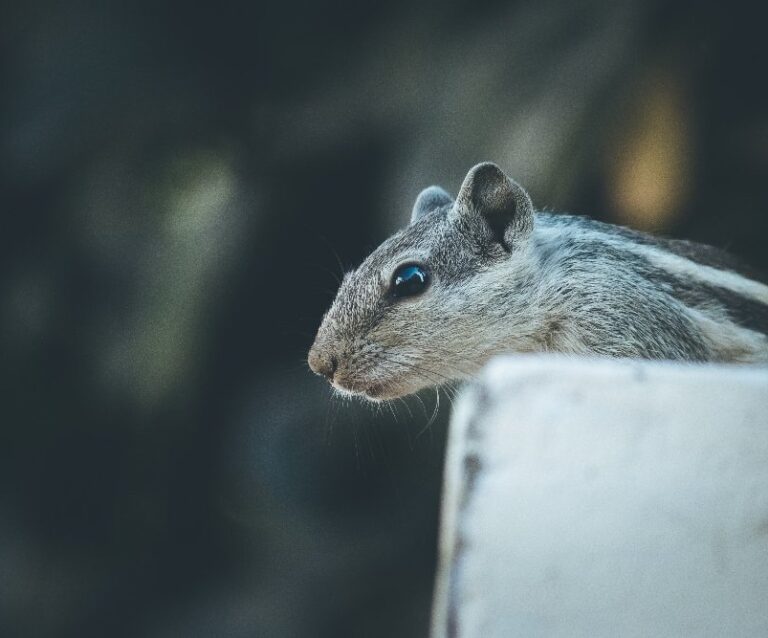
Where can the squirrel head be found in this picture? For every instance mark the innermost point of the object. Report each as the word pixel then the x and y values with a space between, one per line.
pixel 419 310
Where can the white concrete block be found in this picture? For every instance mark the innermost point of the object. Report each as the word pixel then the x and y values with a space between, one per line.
pixel 606 498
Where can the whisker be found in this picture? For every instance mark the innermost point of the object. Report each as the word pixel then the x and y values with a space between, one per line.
pixel 335 254
pixel 433 417
pixel 423 406
pixel 407 407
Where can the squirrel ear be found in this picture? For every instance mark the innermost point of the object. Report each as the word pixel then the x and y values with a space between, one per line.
pixel 428 200
pixel 487 193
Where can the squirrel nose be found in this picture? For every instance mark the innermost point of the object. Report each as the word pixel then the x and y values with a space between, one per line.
pixel 322 363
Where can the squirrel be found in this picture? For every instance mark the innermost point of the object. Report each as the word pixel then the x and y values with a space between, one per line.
pixel 485 274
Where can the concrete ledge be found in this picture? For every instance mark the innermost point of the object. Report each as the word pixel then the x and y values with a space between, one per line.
pixel 606 498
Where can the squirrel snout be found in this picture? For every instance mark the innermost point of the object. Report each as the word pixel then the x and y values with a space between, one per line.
pixel 322 363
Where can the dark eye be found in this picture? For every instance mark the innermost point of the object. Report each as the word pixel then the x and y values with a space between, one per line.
pixel 409 280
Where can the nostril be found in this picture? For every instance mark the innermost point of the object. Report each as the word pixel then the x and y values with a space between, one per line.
pixel 323 364
pixel 315 361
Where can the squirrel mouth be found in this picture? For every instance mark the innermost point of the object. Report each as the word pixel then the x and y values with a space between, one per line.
pixel 373 392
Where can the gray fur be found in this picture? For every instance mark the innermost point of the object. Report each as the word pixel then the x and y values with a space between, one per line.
pixel 506 279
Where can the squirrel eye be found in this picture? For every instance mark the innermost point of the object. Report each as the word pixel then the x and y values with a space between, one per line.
pixel 409 280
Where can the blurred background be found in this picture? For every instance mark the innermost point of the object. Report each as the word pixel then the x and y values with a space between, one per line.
pixel 181 185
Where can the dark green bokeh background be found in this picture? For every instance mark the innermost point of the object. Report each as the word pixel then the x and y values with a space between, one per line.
pixel 177 182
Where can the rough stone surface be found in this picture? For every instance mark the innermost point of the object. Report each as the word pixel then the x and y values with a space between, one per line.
pixel 606 498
